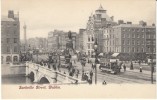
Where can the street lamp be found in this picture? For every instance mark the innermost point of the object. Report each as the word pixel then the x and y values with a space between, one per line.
pixel 96 59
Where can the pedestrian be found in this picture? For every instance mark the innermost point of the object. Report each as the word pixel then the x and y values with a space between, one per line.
pixel 82 75
pixel 77 73
pixel 124 67
pixel 131 66
pixel 91 75
pixel 140 69
pixel 86 77
pixel 104 82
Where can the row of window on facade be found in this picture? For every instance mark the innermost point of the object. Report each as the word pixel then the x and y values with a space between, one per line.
pixel 15 49
pixel 125 42
pixel 90 39
pixel 9 40
pixel 8 25
pixel 129 49
pixel 8 59
pixel 138 42
pixel 139 30
pixel 129 29
pixel 137 35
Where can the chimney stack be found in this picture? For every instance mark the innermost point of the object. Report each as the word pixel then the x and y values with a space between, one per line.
pixel 10 14
pixel 120 22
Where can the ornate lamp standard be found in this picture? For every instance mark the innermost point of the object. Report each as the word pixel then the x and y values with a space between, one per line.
pixel 96 59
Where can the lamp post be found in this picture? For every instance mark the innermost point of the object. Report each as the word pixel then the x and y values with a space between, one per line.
pixel 152 69
pixel 96 59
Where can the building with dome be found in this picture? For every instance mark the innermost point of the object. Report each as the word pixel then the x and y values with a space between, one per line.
pixel 96 23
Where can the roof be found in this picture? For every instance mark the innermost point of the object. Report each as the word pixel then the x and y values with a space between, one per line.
pixel 134 26
pixel 5 18
pixel 104 15
pixel 100 7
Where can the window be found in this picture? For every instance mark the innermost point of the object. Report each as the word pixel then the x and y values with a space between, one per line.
pixel 129 29
pixel 148 36
pixel 154 49
pixel 124 49
pixel 137 49
pixel 123 42
pixel 15 49
pixel 107 42
pixel 88 46
pixel 148 49
pixel 92 38
pixel 133 42
pixel 128 42
pixel 123 29
pixel 138 30
pixel 8 49
pixel 8 59
pixel 133 35
pixel 128 49
pixel 92 45
pixel 133 49
pixel 128 35
pixel 133 30
pixel 142 30
pixel 15 24
pixel 99 16
pixel 8 40
pixel 142 50
pixel 142 35
pixel 138 42
pixel 138 36
pixel 15 58
pixel 142 42
pixel 88 39
pixel 14 32
pixel 15 40
pixel 123 35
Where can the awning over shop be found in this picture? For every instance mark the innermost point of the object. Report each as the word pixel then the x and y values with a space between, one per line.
pixel 101 54
pixel 115 54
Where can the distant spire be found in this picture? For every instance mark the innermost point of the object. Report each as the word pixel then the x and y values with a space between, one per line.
pixel 100 7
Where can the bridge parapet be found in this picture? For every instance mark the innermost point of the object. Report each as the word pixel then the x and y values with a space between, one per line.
pixel 51 75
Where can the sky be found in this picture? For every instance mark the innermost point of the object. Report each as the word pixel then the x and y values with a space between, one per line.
pixel 43 16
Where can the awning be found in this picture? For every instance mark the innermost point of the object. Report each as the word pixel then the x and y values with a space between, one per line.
pixel 101 54
pixel 77 51
pixel 115 54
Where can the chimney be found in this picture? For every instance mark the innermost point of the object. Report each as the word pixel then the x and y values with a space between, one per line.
pixel 142 23
pixel 10 14
pixel 120 22
pixel 129 23
pixel 112 18
pixel 153 24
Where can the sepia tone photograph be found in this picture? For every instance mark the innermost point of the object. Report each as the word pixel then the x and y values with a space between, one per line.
pixel 54 44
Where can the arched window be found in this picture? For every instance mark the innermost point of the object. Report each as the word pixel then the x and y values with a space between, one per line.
pixel 8 59
pixel 15 58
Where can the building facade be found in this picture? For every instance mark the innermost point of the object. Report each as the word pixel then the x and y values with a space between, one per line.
pixel 10 37
pixel 129 38
pixel 94 29
pixel 37 43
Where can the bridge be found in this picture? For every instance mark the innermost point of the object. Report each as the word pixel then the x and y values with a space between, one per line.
pixel 44 75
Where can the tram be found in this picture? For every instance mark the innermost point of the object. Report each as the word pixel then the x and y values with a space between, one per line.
pixel 110 65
